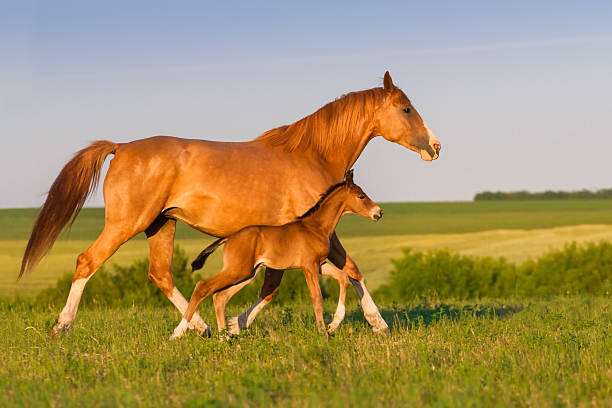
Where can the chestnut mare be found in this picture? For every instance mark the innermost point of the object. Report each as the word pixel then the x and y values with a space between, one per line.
pixel 219 188
pixel 303 244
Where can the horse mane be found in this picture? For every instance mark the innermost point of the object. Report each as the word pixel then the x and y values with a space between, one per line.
pixel 329 126
pixel 323 197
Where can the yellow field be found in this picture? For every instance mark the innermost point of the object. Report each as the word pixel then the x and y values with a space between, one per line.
pixel 372 254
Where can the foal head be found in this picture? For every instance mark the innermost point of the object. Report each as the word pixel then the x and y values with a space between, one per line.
pixel 397 121
pixel 358 202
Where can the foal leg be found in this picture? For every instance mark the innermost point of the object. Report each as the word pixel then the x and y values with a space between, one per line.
pixel 330 270
pixel 111 238
pixel 269 289
pixel 342 260
pixel 160 236
pixel 230 275
pixel 311 273
pixel 221 298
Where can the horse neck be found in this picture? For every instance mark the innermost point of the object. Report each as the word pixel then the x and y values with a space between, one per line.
pixel 337 135
pixel 349 146
pixel 326 217
pixel 347 158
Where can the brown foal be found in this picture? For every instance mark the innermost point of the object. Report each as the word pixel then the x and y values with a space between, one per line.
pixel 303 244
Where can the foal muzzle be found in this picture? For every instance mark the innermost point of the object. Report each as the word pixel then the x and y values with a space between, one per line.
pixel 377 214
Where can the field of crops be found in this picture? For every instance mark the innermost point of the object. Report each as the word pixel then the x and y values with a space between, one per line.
pixel 517 351
pixel 513 229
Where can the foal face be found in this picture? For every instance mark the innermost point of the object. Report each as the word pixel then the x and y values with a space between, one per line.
pixel 359 203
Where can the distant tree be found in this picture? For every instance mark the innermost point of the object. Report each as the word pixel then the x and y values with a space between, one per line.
pixel 545 195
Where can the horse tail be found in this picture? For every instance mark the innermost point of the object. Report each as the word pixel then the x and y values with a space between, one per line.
pixel 198 263
pixel 77 180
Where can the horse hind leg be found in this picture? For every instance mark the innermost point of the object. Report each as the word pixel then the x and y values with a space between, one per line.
pixel 88 262
pixel 272 281
pixel 160 236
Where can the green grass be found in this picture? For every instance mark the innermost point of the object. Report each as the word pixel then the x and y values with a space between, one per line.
pixel 492 353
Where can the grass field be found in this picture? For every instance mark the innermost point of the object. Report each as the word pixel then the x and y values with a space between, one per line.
pixel 514 229
pixel 503 352
pixel 540 353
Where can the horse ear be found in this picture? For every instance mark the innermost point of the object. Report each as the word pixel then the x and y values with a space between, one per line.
pixel 388 82
pixel 349 177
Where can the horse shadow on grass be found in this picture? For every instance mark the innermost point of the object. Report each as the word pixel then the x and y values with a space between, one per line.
pixel 426 314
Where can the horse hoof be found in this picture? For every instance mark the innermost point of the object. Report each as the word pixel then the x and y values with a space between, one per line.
pixel 176 336
pixel 207 333
pixel 382 332
pixel 233 327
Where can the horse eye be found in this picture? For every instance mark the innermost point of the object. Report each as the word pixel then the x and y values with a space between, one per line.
pixel 361 197
pixel 407 110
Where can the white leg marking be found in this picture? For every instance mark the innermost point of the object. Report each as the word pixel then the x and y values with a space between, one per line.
pixel 370 310
pixel 181 304
pixel 69 311
pixel 237 323
pixel 338 316
pixel 180 330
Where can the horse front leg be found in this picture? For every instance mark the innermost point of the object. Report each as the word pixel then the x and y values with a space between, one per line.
pixel 328 269
pixel 343 261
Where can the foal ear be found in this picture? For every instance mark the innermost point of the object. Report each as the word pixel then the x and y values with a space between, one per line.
pixel 388 82
pixel 349 177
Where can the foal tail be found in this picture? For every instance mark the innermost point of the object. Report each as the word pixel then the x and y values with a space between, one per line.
pixel 77 180
pixel 198 263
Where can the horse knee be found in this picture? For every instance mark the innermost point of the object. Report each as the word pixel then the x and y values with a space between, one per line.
pixel 164 282
pixel 83 267
pixel 352 270
pixel 219 299
pixel 272 281
pixel 199 289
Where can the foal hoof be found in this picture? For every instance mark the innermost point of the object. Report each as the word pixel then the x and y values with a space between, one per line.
pixel 207 333
pixel 59 329
pixel 233 327
pixel 237 323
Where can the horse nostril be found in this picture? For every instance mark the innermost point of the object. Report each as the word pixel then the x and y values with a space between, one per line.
pixel 437 148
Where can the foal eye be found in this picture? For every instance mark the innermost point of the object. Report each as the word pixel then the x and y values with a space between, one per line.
pixel 361 197
pixel 407 110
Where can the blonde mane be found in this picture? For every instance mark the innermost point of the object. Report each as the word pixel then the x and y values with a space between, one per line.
pixel 328 127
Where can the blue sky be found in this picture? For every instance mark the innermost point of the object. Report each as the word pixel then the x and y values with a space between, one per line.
pixel 518 93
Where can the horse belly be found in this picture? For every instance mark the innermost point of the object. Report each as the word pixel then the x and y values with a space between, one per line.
pixel 222 218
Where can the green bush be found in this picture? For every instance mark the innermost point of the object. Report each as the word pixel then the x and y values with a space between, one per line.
pixel 130 285
pixel 441 274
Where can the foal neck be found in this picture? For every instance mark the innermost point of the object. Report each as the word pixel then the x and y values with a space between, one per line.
pixel 325 219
